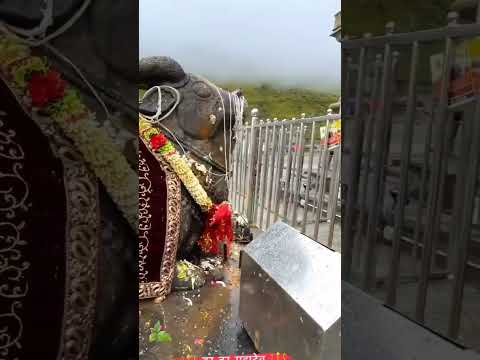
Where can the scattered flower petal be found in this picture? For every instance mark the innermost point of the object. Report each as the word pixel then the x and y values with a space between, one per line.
pixel 189 301
pixel 199 342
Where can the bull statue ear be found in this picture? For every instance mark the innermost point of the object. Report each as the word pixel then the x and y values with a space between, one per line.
pixel 161 70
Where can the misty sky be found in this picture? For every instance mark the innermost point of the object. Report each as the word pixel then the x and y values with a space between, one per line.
pixel 285 41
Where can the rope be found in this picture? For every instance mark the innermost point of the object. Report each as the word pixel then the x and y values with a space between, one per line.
pixel 156 119
pixel 230 137
pixel 41 30
pixel 238 107
pixel 82 76
pixel 224 134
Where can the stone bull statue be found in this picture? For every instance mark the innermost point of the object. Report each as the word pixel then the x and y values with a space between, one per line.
pixel 199 117
pixel 98 317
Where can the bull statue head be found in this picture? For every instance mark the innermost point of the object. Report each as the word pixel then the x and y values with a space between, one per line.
pixel 194 111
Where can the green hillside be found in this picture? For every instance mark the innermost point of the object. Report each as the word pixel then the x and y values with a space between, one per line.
pixel 282 103
pixel 273 102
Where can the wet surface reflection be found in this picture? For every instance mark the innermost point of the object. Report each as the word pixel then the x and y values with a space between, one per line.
pixel 201 322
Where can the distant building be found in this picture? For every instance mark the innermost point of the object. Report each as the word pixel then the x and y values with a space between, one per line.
pixel 337 34
pixel 337 28
pixel 335 107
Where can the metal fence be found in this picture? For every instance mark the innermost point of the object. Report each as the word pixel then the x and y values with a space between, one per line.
pixel 286 170
pixel 434 235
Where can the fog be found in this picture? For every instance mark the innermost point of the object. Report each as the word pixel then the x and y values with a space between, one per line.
pixel 285 42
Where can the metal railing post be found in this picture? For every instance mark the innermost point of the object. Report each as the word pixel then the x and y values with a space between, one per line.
pixel 263 183
pixel 380 162
pixel 280 166
pixel 464 230
pixel 433 198
pixel 252 162
pixel 404 168
pixel 309 176
pixel 268 171
pixel 271 169
pixel 236 169
pixel 258 172
pixel 299 172
pixel 322 173
pixel 352 189
pixel 333 198
pixel 286 189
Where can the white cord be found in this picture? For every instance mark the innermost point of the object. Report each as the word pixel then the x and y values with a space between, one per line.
pixel 155 119
pixel 224 135
pixel 46 21
pixel 230 134
pixel 238 110
pixel 174 137
pixel 238 106
pixel 41 29
pixel 80 74
pixel 214 173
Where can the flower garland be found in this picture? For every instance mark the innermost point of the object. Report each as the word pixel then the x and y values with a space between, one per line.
pixel 218 217
pixel 44 92
pixel 160 144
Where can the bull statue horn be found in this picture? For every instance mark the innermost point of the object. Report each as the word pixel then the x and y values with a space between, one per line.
pixel 158 70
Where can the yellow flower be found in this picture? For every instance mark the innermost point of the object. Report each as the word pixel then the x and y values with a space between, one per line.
pixel 11 50
pixel 97 148
pixel 180 166
pixel 109 165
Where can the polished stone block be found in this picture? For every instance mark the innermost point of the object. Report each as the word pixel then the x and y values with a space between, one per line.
pixel 290 295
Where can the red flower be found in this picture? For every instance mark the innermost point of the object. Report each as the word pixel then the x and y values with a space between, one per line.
pixel 46 88
pixel 158 141
pixel 218 230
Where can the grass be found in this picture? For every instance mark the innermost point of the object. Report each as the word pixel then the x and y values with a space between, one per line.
pixel 275 102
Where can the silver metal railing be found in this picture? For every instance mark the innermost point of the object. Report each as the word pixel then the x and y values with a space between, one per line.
pixel 371 100
pixel 287 170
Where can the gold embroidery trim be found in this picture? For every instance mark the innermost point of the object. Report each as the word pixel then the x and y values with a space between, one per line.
pixel 162 288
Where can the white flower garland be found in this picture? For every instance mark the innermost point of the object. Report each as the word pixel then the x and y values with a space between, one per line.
pixel 108 163
pixel 93 142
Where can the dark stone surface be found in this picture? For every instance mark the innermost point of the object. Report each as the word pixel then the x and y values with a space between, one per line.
pixel 191 227
pixel 200 102
pixel 192 124
pixel 26 13
pixel 116 320
pixel 96 48
pixel 114 41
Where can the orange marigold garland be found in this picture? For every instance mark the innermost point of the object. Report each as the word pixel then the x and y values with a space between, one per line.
pixel 218 227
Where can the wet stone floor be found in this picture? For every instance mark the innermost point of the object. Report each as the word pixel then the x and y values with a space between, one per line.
pixel 201 322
